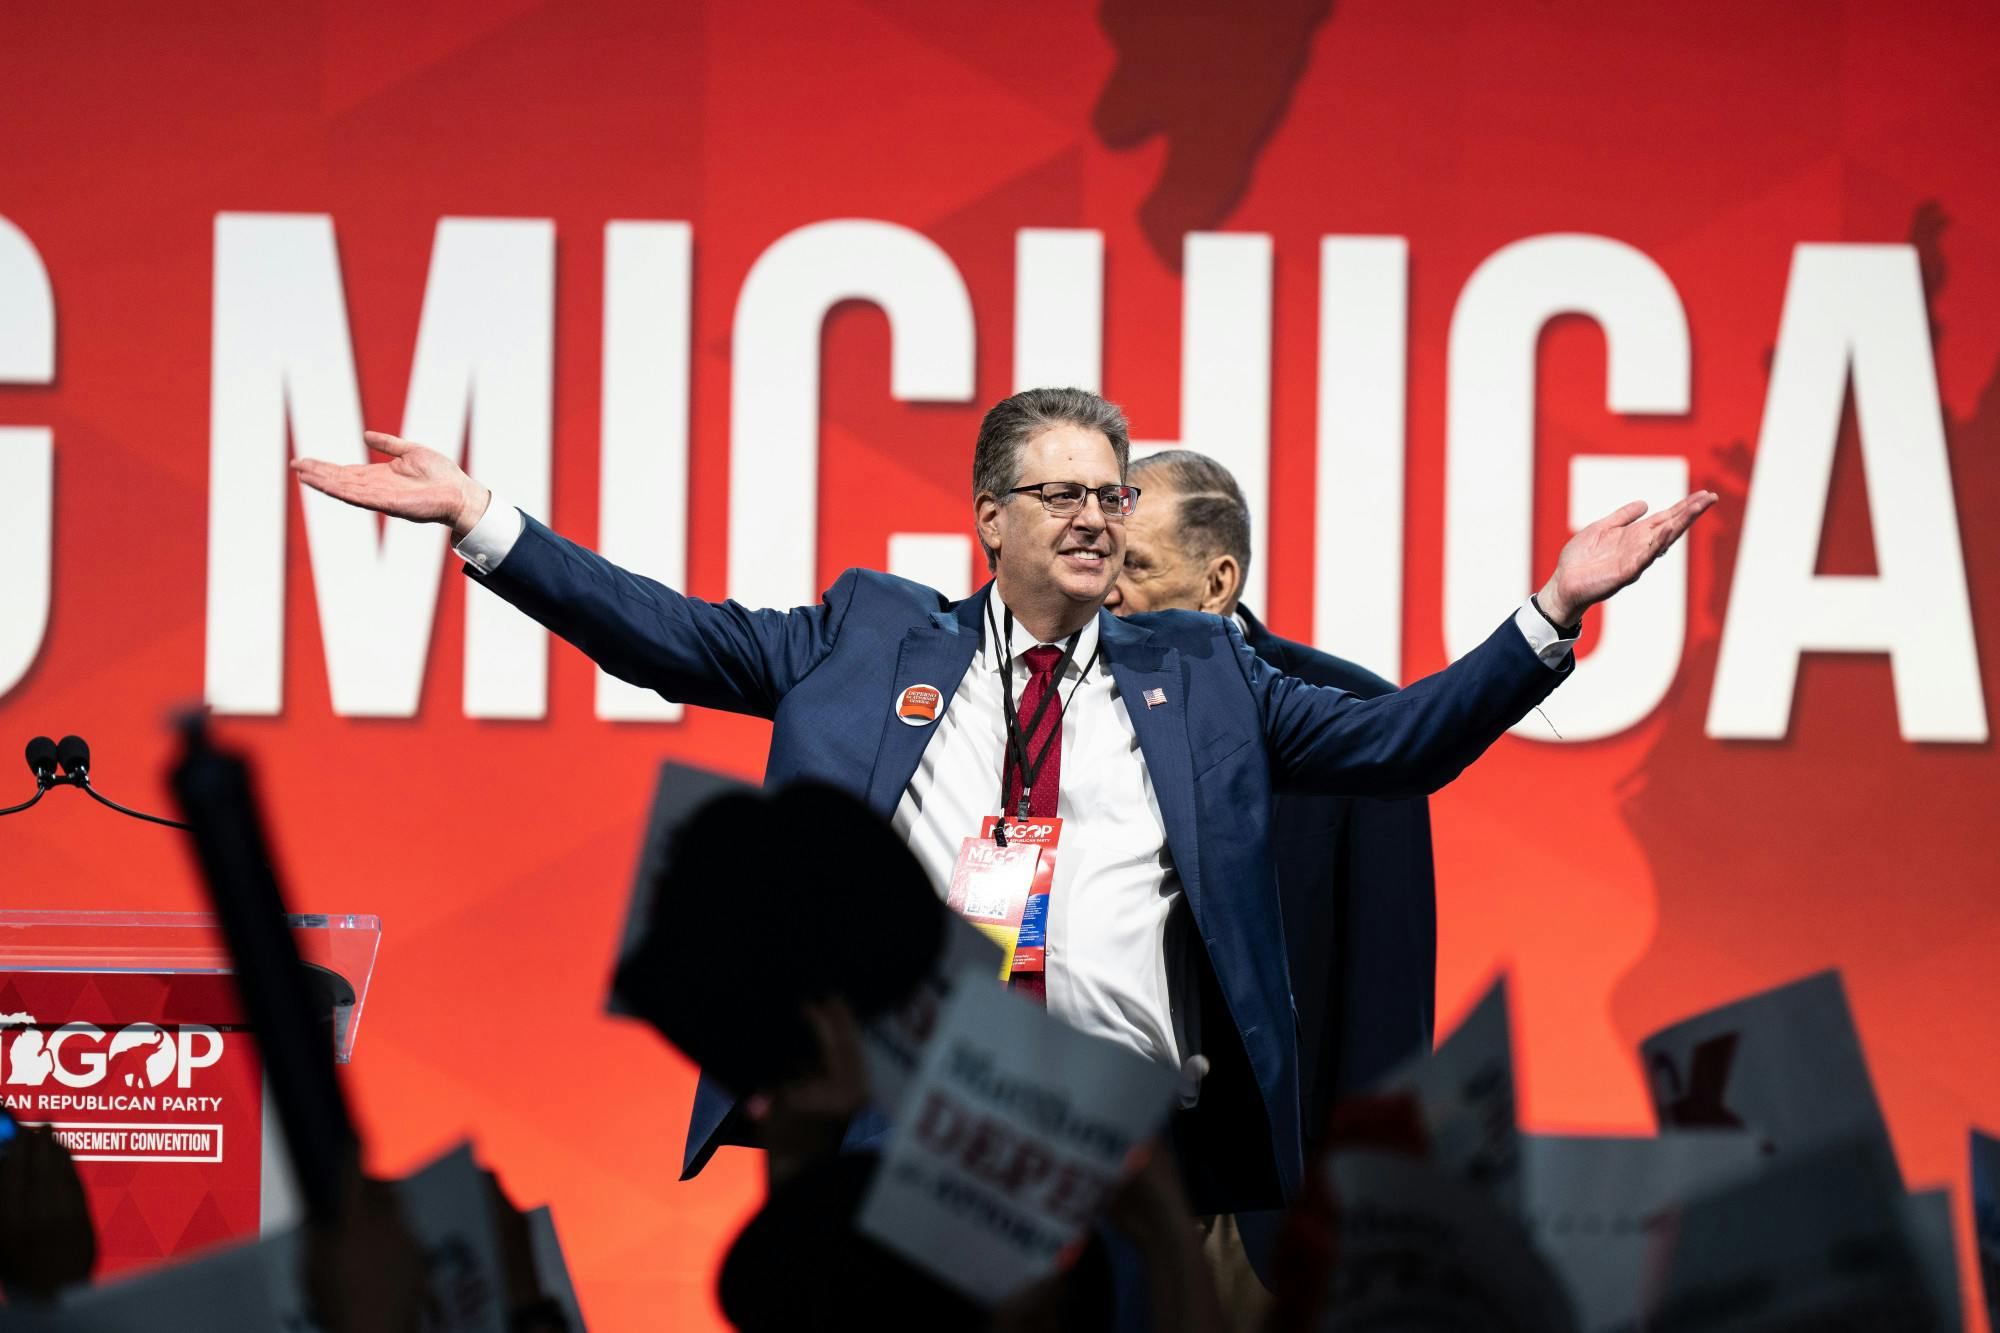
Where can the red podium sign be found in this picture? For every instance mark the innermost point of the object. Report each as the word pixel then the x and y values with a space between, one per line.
pixel 158 1093
pixel 124 1034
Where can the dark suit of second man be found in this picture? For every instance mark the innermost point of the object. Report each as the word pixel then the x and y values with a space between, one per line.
pixel 1355 878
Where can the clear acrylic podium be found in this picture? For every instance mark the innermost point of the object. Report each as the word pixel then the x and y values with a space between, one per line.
pixel 123 1031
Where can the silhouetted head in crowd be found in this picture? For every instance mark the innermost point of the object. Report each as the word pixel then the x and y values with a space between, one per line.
pixel 768 901
pixel 47 1239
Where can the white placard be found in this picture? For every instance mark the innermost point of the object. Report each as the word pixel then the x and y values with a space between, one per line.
pixel 1785 1064
pixel 1013 1130
pixel 1465 1092
pixel 1593 1206
pixel 450 1210
pixel 892 1045
pixel 225 1287
pixel 1816 1240
pixel 1418 1249
pixel 260 1285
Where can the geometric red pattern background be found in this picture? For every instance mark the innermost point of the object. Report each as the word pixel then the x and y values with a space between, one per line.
pixel 1622 883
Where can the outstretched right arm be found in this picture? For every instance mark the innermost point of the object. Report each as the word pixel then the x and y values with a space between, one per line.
pixel 715 655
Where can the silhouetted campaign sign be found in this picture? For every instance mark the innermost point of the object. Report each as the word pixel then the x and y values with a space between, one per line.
pixel 260 1284
pixel 1785 1064
pixel 1420 1249
pixel 1464 1093
pixel 1014 1129
pixel 1986 1218
pixel 1597 1207
pixel 1818 1240
pixel 1770 1200
pixel 678 791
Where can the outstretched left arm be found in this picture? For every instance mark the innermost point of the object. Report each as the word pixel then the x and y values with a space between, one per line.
pixel 1422 736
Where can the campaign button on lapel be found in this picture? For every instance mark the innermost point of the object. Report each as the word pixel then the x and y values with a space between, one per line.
pixel 919 705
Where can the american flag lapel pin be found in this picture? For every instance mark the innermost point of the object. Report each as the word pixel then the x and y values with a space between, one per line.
pixel 1154 698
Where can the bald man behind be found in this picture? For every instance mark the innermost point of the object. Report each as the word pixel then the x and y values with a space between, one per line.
pixel 1354 876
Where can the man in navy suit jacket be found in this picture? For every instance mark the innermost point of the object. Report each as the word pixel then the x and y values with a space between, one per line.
pixel 1355 882
pixel 1355 877
pixel 1200 727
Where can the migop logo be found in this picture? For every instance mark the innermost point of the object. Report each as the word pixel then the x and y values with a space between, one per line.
pixel 83 1055
pixel 1028 830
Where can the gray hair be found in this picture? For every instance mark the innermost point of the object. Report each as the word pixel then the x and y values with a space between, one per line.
pixel 1214 520
pixel 1012 422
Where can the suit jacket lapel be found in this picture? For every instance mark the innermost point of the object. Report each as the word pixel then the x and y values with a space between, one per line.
pixel 936 653
pixel 1139 665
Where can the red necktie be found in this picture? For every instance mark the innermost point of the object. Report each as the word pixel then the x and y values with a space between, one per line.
pixel 1048 779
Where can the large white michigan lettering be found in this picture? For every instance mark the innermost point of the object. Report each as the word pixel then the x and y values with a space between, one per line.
pixel 480 386
pixel 27 458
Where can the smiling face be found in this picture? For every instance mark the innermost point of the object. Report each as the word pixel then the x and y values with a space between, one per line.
pixel 1054 572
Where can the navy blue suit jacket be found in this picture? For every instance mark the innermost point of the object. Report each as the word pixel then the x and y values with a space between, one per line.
pixel 1231 728
pixel 1359 894
pixel 1358 889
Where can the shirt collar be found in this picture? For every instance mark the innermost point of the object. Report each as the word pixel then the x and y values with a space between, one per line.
pixel 1021 641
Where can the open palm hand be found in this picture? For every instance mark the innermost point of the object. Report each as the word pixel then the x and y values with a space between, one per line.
pixel 1612 552
pixel 415 483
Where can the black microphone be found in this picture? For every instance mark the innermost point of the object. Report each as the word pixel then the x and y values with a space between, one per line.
pixel 73 753
pixel 42 760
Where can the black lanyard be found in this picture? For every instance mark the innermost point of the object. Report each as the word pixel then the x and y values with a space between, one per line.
pixel 1017 738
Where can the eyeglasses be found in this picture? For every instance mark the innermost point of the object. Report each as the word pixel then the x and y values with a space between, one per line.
pixel 1065 499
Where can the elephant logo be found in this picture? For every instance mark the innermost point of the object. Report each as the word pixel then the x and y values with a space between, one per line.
pixel 139 1064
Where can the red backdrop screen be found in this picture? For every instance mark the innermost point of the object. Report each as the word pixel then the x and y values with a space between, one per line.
pixel 725 288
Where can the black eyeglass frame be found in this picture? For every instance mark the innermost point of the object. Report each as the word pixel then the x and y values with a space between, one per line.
pixel 1039 491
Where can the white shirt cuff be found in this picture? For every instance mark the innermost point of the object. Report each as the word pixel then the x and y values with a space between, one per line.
pixel 1541 636
pixel 495 534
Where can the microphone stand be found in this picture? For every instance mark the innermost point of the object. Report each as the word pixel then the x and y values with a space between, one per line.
pixel 92 793
pixel 40 792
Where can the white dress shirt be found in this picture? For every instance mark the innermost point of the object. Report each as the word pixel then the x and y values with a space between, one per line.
pixel 1112 969
pixel 1116 961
